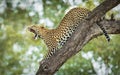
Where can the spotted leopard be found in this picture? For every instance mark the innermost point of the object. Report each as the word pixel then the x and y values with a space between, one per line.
pixel 56 38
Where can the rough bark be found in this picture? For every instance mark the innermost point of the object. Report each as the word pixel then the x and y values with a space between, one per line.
pixel 83 34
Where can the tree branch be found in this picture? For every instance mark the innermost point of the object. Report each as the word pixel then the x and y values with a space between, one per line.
pixel 83 34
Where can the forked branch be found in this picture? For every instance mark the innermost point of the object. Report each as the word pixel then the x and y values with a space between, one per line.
pixel 83 34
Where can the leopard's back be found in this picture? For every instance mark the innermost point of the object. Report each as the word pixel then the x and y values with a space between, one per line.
pixel 69 23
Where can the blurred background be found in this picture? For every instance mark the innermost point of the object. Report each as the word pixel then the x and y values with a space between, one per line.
pixel 20 53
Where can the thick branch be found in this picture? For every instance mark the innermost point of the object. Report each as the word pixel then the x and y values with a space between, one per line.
pixel 102 9
pixel 83 34
pixel 112 27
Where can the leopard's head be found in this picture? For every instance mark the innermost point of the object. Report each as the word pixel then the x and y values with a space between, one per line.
pixel 39 31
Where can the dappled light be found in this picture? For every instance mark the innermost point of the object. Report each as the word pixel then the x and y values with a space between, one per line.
pixel 20 53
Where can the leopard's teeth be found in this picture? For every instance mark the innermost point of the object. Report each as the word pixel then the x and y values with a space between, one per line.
pixel 36 37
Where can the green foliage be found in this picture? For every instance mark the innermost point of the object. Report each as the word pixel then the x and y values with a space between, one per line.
pixel 20 53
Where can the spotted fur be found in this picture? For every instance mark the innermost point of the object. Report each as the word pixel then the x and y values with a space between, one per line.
pixel 56 38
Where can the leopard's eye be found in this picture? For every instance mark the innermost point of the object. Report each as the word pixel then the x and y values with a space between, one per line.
pixel 42 27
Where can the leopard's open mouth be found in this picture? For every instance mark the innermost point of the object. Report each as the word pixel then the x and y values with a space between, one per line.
pixel 33 31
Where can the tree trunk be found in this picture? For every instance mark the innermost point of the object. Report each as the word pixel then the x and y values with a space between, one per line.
pixel 83 34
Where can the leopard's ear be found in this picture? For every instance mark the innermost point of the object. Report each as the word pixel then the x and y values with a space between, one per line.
pixel 42 25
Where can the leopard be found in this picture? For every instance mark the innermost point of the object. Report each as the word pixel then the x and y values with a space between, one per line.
pixel 56 38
